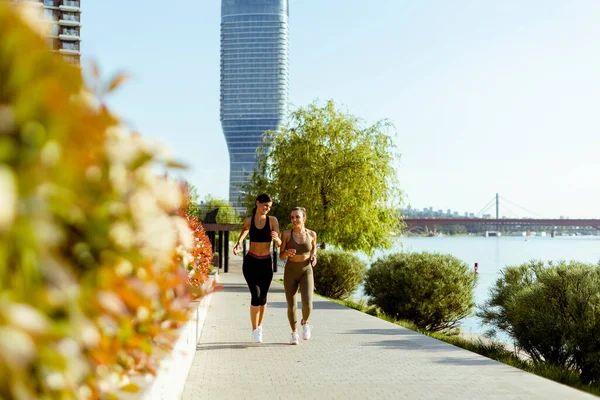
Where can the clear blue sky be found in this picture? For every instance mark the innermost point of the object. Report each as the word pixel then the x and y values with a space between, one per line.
pixel 486 96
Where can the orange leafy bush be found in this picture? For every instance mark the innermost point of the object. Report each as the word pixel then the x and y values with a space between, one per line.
pixel 198 259
pixel 92 277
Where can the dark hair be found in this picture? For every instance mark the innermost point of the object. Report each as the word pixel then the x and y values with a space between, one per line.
pixel 261 198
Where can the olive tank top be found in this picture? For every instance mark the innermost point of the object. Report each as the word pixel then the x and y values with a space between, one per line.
pixel 301 248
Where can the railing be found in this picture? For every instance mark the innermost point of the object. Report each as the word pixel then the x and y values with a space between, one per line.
pixel 70 3
pixel 70 17
pixel 70 32
pixel 70 46
pixel 51 3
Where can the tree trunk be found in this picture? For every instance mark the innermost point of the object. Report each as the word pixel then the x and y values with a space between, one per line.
pixel 325 203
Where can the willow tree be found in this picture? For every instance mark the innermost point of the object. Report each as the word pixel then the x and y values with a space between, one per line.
pixel 340 170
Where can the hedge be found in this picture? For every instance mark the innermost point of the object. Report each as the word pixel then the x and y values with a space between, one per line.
pixel 96 259
pixel 434 291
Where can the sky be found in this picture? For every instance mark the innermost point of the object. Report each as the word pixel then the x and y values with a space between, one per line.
pixel 486 96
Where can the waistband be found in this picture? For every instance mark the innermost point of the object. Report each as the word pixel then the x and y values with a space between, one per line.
pixel 301 264
pixel 258 256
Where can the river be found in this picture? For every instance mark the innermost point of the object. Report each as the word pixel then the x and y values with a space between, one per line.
pixel 494 253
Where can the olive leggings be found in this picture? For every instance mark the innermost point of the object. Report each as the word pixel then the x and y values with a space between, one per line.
pixel 298 273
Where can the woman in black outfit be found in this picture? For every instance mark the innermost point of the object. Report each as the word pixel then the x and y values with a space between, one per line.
pixel 258 266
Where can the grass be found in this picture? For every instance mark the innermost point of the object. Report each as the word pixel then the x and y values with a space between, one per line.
pixel 487 348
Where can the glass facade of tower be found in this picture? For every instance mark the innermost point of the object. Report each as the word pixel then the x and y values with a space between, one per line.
pixel 254 80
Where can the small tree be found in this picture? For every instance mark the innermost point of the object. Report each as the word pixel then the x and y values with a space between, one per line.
pixel 226 213
pixel 338 169
pixel 435 291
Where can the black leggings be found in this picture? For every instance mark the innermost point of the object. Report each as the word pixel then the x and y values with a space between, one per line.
pixel 258 272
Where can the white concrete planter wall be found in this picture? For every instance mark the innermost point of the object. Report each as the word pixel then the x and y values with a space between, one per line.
pixel 175 365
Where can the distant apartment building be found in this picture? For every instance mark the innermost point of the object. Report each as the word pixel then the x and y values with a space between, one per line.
pixel 254 81
pixel 64 32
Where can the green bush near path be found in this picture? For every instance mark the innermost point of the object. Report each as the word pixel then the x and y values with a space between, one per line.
pixel 434 291
pixel 338 274
pixel 552 312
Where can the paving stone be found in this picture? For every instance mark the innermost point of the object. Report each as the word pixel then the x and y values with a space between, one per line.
pixel 351 355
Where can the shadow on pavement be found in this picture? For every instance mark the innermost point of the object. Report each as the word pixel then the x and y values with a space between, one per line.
pixel 395 332
pixel 235 345
pixel 467 361
pixel 413 342
pixel 243 288
pixel 317 305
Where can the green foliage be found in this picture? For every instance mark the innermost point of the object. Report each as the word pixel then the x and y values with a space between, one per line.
pixel 193 208
pixel 338 274
pixel 435 291
pixel 226 213
pixel 552 311
pixel 453 229
pixel 330 163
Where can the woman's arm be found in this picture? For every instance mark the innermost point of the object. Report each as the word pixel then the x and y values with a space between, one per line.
pixel 284 240
pixel 275 231
pixel 242 235
pixel 313 252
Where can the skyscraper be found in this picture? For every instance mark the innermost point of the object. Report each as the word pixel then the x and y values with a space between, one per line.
pixel 64 33
pixel 254 80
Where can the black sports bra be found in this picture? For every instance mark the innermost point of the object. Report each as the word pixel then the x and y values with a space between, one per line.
pixel 260 235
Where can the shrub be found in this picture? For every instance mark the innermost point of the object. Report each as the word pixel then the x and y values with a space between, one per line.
pixel 552 311
pixel 338 274
pixel 434 291
pixel 92 273
pixel 197 260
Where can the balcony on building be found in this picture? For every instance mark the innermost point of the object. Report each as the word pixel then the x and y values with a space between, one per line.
pixel 69 20
pixel 69 34
pixel 34 2
pixel 69 48
pixel 69 5
pixel 69 51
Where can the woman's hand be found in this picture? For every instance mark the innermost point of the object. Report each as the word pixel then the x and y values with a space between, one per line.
pixel 290 252
pixel 313 260
pixel 236 248
pixel 276 238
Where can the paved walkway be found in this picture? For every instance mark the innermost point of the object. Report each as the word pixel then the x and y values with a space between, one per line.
pixel 351 356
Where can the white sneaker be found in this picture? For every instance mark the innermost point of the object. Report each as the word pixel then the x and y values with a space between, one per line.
pixel 257 335
pixel 305 332
pixel 295 338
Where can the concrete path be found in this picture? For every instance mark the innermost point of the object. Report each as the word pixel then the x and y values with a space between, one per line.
pixel 351 356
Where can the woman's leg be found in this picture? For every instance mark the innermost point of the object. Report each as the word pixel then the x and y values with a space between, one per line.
pixel 249 269
pixel 290 286
pixel 307 287
pixel 266 277
pixel 255 316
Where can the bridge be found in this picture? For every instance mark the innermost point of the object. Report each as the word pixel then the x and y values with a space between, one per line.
pixel 428 221
pixel 412 223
